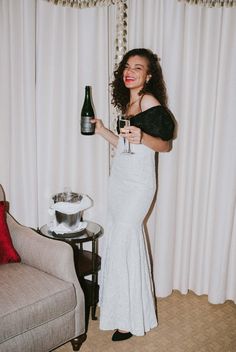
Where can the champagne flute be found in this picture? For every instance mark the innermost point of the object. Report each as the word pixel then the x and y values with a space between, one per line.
pixel 124 121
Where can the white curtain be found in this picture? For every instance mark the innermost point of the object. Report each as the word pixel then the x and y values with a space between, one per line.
pixel 17 107
pixel 49 53
pixel 72 47
pixel 193 226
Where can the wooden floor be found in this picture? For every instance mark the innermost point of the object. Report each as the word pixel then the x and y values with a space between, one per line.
pixel 187 323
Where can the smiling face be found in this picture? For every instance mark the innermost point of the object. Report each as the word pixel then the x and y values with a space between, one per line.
pixel 135 73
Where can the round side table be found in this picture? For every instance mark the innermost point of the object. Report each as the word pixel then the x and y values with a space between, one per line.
pixel 86 262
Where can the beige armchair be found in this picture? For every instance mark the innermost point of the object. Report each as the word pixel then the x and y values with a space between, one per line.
pixel 41 300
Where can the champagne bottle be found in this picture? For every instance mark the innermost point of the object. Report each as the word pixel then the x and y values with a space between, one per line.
pixel 87 113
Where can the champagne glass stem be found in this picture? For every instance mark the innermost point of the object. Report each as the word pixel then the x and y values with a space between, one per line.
pixel 125 122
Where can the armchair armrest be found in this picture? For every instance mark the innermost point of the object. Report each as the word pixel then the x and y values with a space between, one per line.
pixel 53 257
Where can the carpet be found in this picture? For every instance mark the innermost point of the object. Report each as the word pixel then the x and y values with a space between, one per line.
pixel 187 323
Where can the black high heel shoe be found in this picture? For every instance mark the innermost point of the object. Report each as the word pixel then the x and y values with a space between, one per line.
pixel 120 336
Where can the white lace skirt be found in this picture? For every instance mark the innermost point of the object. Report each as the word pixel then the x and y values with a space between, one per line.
pixel 126 288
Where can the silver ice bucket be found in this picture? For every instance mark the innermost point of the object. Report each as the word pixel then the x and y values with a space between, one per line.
pixel 69 220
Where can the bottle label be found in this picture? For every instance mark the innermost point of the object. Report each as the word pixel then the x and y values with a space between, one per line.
pixel 86 125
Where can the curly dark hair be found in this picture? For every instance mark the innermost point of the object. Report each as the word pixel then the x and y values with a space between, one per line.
pixel 155 86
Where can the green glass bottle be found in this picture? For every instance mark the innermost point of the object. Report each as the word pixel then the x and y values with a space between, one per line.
pixel 87 113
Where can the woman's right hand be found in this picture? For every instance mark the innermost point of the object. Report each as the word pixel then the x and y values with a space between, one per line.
pixel 105 132
pixel 99 126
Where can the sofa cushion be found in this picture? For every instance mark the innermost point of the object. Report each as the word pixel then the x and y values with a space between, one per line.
pixel 7 251
pixel 29 298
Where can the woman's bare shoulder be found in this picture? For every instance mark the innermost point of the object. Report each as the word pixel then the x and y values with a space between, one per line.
pixel 148 101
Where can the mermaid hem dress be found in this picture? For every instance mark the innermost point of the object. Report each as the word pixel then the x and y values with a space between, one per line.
pixel 126 296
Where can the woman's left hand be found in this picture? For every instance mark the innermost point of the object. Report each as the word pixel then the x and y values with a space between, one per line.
pixel 135 134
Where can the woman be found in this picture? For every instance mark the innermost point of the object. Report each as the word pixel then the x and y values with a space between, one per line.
pixel 126 292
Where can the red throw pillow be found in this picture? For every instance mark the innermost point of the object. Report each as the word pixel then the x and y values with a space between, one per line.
pixel 8 254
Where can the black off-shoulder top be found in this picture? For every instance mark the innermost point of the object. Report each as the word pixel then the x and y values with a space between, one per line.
pixel 157 121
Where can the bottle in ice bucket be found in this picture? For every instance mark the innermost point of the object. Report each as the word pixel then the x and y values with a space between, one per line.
pixel 87 114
